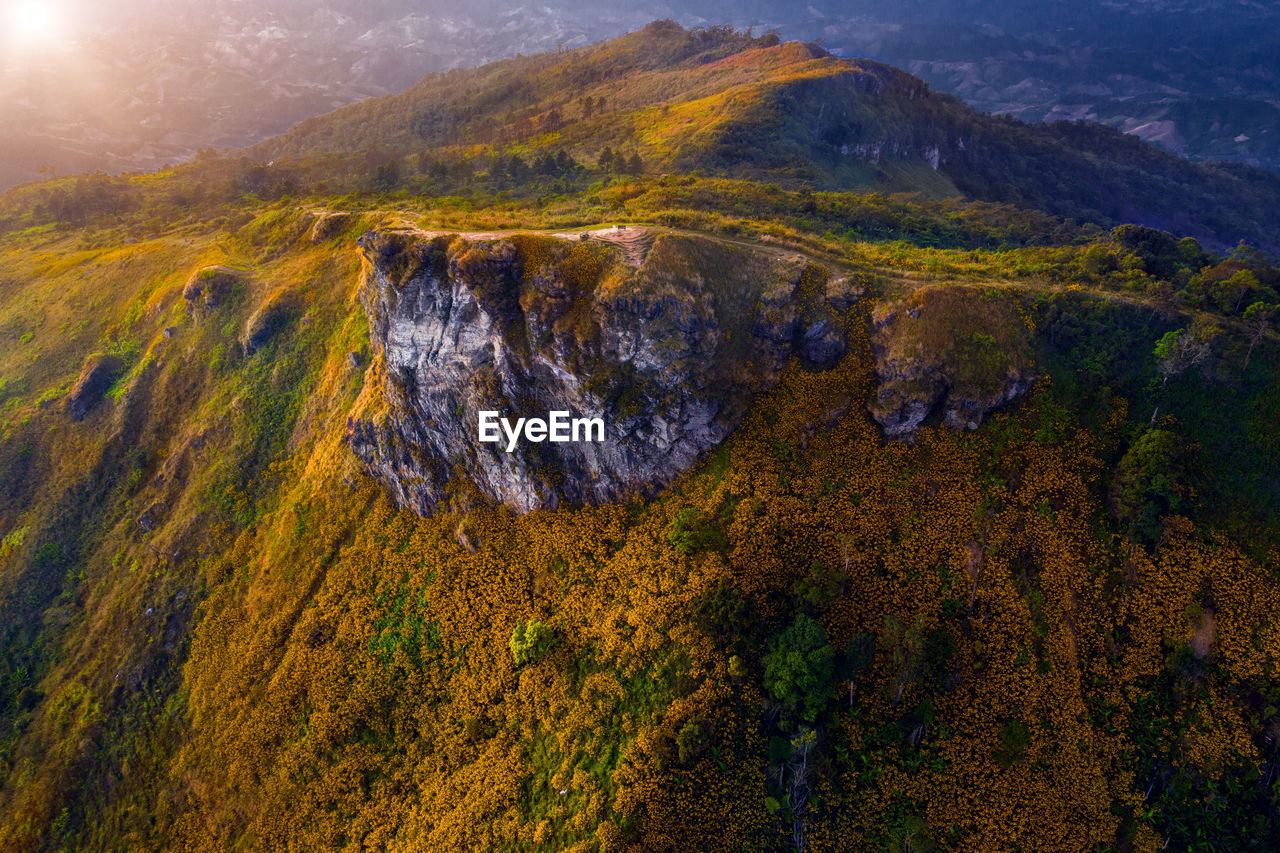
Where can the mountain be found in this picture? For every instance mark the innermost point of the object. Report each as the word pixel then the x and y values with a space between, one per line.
pixel 722 103
pixel 136 84
pixel 916 522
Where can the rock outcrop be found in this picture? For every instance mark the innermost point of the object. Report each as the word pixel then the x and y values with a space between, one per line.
pixel 276 311
pixel 666 354
pixel 964 349
pixel 97 375
pixel 329 224
pixel 209 287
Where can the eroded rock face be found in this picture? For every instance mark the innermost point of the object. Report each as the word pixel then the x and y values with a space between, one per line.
pixel 276 311
pixel 965 350
pixel 667 355
pixel 209 287
pixel 96 377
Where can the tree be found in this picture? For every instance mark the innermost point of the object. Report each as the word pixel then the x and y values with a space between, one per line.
pixel 820 586
pixel 919 655
pixel 1182 349
pixel 1259 318
pixel 516 168
pixel 911 835
pixel 433 126
pixel 1162 295
pixel 387 176
pixel 635 165
pixel 530 641
pixel 722 612
pixel 1177 351
pixel 1147 484
pixel 798 795
pixel 1228 294
pixel 798 668
pixel 1189 252
pixel 606 161
pixel 552 121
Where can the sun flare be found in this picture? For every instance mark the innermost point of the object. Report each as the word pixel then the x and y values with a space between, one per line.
pixel 33 22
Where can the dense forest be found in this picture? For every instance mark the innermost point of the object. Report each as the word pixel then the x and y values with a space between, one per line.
pixel 1057 631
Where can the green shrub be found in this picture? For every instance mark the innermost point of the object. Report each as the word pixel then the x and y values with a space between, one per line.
pixel 1148 483
pixel 691 534
pixel 798 668
pixel 693 739
pixel 1015 737
pixel 530 641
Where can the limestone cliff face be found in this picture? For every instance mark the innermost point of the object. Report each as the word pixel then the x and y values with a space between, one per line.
pixel 666 354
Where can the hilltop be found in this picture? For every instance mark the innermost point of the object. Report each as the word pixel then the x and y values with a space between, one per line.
pixel 136 86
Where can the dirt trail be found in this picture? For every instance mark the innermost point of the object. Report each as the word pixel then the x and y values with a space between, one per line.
pixel 635 241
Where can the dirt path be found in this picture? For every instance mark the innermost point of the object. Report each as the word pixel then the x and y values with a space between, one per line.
pixel 634 240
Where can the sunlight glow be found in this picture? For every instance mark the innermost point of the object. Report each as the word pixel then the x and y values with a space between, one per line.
pixel 33 21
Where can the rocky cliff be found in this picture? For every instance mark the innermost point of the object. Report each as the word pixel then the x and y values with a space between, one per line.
pixel 965 350
pixel 667 354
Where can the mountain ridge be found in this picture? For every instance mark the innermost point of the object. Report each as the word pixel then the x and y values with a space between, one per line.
pixel 731 104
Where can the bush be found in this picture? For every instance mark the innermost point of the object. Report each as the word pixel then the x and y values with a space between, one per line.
pixel 693 739
pixel 722 613
pixel 1015 737
pixel 798 668
pixel 530 641
pixel 691 534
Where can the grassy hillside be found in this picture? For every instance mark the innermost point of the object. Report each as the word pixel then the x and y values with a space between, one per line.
pixel 219 633
pixel 1056 632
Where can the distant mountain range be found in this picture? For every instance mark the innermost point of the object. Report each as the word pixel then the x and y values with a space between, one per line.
pixel 143 84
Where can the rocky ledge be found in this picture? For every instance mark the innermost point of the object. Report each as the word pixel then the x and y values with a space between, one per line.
pixel 963 349
pixel 666 354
